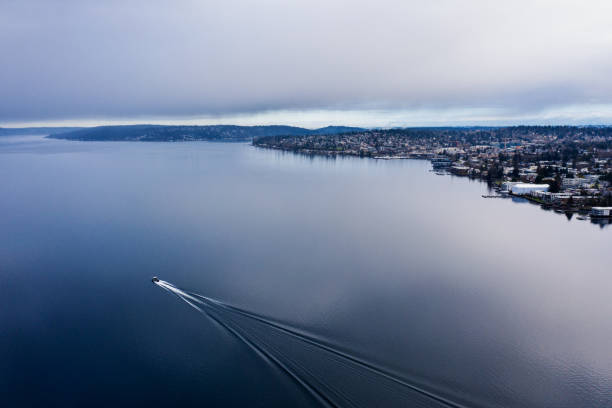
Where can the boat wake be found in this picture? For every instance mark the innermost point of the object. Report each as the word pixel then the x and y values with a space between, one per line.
pixel 333 377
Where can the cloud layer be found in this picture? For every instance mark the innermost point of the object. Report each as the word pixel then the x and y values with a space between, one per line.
pixel 120 59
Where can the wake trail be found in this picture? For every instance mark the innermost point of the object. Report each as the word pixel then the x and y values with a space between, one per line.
pixel 322 345
pixel 332 376
pixel 261 352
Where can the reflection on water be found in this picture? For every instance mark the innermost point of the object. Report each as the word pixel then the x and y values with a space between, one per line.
pixel 602 222
pixel 486 301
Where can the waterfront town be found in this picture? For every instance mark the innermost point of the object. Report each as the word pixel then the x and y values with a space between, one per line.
pixel 564 168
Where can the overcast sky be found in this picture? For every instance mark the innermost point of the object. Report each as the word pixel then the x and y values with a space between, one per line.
pixel 307 62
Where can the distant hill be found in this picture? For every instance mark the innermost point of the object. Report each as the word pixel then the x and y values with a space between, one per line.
pixel 36 131
pixel 160 133
pixel 332 130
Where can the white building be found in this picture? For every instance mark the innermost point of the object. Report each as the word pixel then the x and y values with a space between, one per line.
pixel 601 212
pixel 568 182
pixel 571 182
pixel 551 197
pixel 524 188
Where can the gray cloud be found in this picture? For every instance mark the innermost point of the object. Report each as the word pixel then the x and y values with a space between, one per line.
pixel 74 59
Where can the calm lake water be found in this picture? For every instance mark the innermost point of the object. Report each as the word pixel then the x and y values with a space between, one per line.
pixel 480 302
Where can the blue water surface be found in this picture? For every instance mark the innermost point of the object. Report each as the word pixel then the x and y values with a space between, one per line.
pixel 484 302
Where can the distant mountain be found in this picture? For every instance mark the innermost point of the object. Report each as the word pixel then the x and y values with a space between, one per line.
pixel 36 131
pixel 160 133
